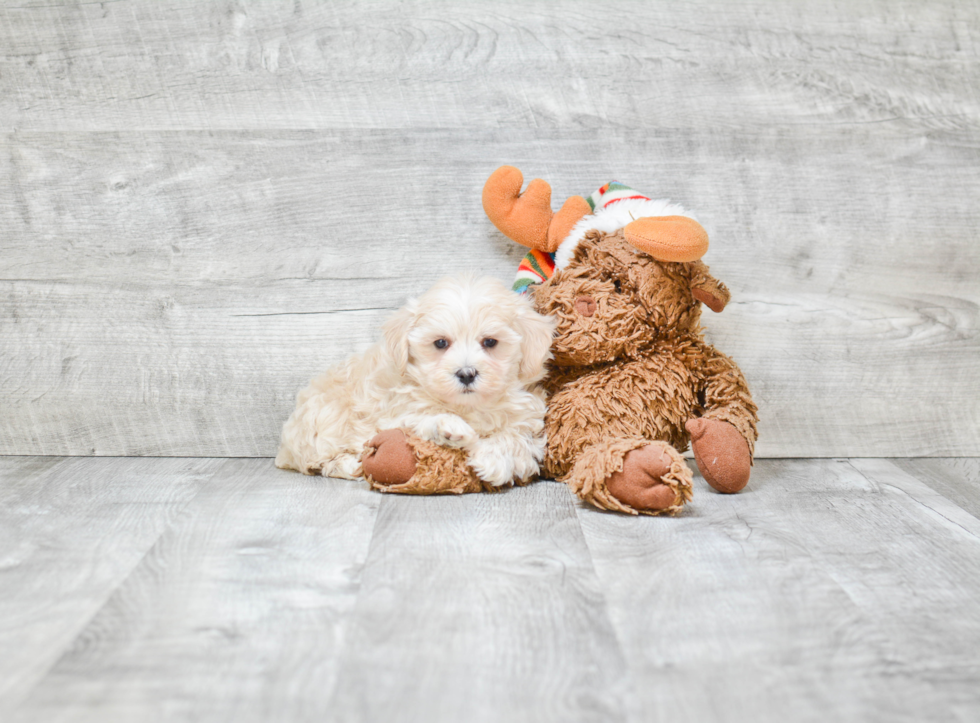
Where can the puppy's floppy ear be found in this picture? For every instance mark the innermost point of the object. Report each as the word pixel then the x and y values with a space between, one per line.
pixel 536 332
pixel 395 339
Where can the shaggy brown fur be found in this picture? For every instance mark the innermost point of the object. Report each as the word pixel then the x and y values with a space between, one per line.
pixel 631 368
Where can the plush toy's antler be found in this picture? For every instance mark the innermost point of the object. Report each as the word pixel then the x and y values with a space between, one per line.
pixel 527 218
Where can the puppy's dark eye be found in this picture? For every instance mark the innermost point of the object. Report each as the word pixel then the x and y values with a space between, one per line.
pixel 489 343
pixel 441 344
pixel 619 285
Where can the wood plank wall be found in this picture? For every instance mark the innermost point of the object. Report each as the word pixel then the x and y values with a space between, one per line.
pixel 202 204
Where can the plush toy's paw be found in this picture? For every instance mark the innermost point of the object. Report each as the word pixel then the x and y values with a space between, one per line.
pixel 448 430
pixel 388 458
pixel 640 485
pixel 398 461
pixel 721 452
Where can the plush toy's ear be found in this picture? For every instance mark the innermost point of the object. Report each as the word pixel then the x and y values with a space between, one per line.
pixel 395 335
pixel 707 289
pixel 668 238
pixel 536 332
pixel 526 217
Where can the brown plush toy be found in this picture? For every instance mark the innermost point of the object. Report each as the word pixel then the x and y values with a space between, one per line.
pixel 398 461
pixel 633 381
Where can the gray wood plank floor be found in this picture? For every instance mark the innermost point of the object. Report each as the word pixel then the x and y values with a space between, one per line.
pixel 206 590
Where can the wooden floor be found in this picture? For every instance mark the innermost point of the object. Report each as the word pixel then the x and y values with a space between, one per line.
pixel 204 589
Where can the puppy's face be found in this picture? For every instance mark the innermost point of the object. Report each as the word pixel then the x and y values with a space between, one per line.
pixel 469 341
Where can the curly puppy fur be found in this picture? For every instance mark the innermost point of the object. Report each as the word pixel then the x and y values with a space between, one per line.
pixel 458 367
pixel 631 367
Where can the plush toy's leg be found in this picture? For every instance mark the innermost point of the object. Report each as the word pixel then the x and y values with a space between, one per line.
pixel 398 461
pixel 632 475
pixel 722 454
pixel 723 438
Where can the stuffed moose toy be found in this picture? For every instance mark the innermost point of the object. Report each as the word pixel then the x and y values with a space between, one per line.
pixel 633 381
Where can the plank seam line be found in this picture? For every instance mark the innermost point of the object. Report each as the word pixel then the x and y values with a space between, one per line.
pixel 307 313
pixel 344 625
pixel 577 506
pixel 919 502
pixel 83 625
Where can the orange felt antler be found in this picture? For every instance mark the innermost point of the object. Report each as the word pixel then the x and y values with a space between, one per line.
pixel 527 217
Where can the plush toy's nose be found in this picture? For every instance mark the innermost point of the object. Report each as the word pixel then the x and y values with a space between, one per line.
pixel 585 305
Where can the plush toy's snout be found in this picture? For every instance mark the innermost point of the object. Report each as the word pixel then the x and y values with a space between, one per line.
pixel 585 305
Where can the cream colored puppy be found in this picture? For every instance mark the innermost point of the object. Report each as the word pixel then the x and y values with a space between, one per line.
pixel 458 366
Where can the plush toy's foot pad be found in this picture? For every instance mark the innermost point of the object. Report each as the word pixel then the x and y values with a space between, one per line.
pixel 639 484
pixel 398 461
pixel 388 458
pixel 721 452
pixel 632 476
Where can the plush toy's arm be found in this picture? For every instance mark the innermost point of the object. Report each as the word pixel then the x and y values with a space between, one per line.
pixel 727 397
pixel 397 461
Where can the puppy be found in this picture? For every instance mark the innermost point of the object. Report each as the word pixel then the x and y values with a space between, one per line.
pixel 458 366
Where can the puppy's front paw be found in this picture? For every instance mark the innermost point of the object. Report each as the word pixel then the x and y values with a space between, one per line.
pixel 448 430
pixel 493 465
pixel 503 459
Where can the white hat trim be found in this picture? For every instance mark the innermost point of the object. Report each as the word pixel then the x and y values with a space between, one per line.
pixel 611 219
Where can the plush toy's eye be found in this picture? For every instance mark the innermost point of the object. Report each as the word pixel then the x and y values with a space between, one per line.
pixel 441 344
pixel 619 285
pixel 489 343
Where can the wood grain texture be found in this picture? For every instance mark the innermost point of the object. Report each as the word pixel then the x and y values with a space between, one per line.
pixel 235 613
pixel 213 590
pixel 827 589
pixel 206 204
pixel 958 480
pixel 71 531
pixel 424 64
pixel 480 608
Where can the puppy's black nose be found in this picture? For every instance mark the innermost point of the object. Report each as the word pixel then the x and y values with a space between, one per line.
pixel 466 375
